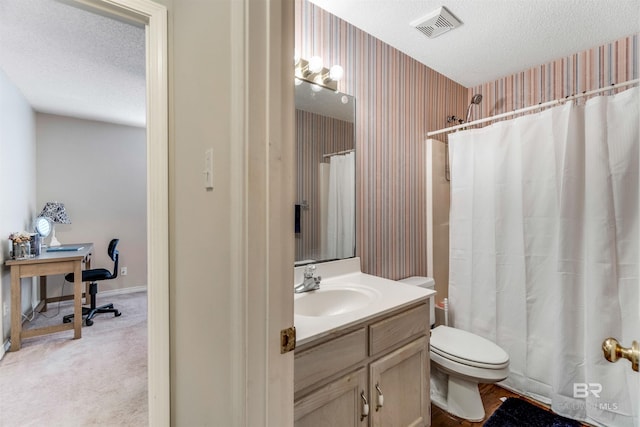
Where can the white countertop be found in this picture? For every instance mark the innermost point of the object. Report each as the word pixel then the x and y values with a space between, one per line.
pixel 388 295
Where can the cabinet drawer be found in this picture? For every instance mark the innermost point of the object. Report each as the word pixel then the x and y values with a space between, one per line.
pixel 339 403
pixel 391 331
pixel 329 358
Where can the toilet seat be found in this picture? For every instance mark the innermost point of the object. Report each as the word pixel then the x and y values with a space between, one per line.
pixel 467 348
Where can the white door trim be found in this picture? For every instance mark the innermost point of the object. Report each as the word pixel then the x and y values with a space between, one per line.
pixel 154 17
pixel 267 253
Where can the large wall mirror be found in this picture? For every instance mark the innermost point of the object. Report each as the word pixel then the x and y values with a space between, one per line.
pixel 325 174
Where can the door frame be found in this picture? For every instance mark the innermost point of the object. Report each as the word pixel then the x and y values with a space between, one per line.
pixel 266 113
pixel 153 17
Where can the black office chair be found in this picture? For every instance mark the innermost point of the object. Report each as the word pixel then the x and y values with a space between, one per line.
pixel 93 276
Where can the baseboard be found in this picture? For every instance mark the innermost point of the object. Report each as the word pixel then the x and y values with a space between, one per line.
pixel 4 348
pixel 123 291
pixel 101 293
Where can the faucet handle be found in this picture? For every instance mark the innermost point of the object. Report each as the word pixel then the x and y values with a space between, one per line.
pixel 309 270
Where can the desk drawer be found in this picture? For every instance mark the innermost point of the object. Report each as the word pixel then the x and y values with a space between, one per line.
pixel 395 329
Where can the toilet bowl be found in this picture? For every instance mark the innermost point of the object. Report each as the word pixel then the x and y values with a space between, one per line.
pixel 460 361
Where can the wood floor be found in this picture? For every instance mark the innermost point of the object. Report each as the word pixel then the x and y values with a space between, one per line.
pixel 491 395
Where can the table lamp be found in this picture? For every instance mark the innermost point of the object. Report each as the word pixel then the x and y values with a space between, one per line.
pixel 56 212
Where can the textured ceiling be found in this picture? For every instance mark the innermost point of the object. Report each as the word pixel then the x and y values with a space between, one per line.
pixel 71 62
pixel 497 37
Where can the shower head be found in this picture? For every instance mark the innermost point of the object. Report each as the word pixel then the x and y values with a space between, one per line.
pixel 475 100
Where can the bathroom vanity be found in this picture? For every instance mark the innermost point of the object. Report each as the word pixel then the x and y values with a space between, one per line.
pixel 362 361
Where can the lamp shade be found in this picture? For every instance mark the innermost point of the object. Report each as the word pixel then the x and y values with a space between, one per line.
pixel 56 212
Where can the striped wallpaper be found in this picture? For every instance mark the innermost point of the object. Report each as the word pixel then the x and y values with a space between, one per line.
pixel 397 101
pixel 614 62
pixel 316 136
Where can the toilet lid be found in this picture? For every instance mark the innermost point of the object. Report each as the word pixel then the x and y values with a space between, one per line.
pixel 467 348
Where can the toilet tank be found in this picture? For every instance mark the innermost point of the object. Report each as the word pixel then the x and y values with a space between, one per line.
pixel 428 283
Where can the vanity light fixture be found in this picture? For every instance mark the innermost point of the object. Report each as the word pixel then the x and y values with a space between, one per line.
pixel 313 71
pixel 315 65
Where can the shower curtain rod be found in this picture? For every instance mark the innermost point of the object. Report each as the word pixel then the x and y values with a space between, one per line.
pixel 534 107
pixel 324 156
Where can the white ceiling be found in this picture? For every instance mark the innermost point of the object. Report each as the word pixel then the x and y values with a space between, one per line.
pixel 71 62
pixel 497 37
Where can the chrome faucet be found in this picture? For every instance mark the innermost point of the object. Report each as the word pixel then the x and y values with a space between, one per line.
pixel 310 283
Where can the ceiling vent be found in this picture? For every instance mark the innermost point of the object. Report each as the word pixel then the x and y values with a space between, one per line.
pixel 436 23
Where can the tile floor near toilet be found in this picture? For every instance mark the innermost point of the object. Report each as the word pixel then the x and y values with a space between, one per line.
pixel 491 398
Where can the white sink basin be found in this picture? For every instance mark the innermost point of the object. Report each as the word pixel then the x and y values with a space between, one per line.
pixel 334 299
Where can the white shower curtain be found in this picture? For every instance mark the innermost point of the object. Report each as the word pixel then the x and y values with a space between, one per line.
pixel 544 250
pixel 341 233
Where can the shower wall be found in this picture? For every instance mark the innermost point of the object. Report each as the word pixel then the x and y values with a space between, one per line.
pixel 437 216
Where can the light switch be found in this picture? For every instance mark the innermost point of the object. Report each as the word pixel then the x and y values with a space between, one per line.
pixel 208 169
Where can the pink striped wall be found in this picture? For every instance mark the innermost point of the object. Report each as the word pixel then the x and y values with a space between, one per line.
pixel 397 101
pixel 315 136
pixel 599 67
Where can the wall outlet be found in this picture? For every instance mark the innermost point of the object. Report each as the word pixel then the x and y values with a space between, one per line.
pixel 123 271
pixel 5 308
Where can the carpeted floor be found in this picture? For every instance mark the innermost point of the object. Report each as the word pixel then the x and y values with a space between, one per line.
pixel 98 380
pixel 516 412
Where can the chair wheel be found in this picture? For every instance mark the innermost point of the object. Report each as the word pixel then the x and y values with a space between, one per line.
pixel 66 320
pixel 89 322
pixel 117 314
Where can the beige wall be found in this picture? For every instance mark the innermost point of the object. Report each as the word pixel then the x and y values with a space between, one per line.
pixel 98 170
pixel 200 236
pixel 224 86
pixel 17 185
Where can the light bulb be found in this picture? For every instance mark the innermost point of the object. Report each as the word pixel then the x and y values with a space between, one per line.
pixel 316 88
pixel 315 64
pixel 336 72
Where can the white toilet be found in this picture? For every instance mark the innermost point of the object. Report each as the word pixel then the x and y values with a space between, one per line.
pixel 460 361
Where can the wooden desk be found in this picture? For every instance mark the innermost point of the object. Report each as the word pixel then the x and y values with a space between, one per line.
pixel 47 263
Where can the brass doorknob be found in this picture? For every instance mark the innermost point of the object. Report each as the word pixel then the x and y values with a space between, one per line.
pixel 613 351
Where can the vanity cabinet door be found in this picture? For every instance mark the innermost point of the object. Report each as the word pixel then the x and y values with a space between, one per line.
pixel 339 403
pixel 399 387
